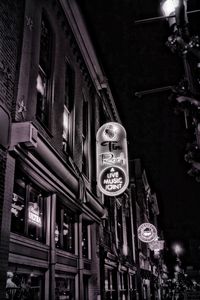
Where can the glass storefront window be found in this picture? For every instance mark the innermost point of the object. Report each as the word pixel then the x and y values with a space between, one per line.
pixel 35 214
pixel 27 208
pixel 110 284
pixel 65 287
pixel 123 286
pixel 24 286
pixel 18 205
pixel 64 232
pixel 85 240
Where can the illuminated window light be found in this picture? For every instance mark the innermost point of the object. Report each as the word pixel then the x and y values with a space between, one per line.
pixel 169 6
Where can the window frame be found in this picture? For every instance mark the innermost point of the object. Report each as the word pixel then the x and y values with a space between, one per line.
pixel 28 186
pixel 69 101
pixel 88 240
pixel 85 134
pixel 46 100
pixel 60 210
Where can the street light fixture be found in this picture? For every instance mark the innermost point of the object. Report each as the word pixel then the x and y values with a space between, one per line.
pixel 178 250
pixel 176 13
pixel 187 92
pixel 168 8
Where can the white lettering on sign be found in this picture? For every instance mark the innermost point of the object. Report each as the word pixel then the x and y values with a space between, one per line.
pixel 33 218
pixel 109 158
pixel 112 159
pixel 111 187
pixel 33 215
pixel 113 179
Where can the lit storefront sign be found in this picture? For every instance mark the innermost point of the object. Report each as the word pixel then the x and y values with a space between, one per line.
pixel 112 159
pixel 34 214
pixel 147 232
pixel 156 245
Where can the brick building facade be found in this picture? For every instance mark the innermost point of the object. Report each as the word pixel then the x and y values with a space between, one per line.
pixel 60 237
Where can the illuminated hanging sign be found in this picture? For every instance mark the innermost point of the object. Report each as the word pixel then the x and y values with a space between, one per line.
pixel 34 214
pixel 156 245
pixel 112 159
pixel 147 232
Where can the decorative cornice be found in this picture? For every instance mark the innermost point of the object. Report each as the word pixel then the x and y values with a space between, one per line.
pixel 87 53
pixel 66 27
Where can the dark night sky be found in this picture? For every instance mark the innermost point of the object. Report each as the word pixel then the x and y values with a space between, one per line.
pixel 135 58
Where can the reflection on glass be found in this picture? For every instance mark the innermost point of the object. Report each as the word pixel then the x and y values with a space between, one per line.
pixel 64 231
pixel 111 284
pixel 65 288
pixel 27 208
pixel 24 286
pixel 85 240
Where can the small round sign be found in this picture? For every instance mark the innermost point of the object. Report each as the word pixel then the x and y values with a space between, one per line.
pixel 112 181
pixel 147 232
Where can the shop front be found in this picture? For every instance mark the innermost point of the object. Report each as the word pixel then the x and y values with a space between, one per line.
pixel 51 250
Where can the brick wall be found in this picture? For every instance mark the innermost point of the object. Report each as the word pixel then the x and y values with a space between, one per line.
pixel 11 23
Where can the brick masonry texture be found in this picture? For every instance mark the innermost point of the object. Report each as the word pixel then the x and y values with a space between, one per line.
pixel 11 28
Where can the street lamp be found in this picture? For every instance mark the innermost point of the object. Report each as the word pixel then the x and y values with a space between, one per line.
pixel 187 92
pixel 178 250
pixel 168 8
pixel 176 13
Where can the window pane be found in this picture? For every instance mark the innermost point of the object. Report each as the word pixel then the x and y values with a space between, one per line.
pixel 68 231
pixel 65 129
pixel 85 138
pixel 69 86
pixel 64 232
pixel 44 73
pixel 119 226
pixel 35 214
pixel 65 288
pixel 65 124
pixel 68 104
pixel 85 240
pixel 45 44
pixel 18 204
pixel 27 208
pixel 42 101
pixel 26 286
pixel 58 228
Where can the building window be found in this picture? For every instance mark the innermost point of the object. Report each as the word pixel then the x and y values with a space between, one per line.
pixel 110 284
pixel 85 168
pixel 85 239
pixel 27 208
pixel 65 287
pixel 68 105
pixel 108 222
pixel 64 232
pixel 43 84
pixel 21 285
pixel 132 285
pixel 123 288
pixel 119 224
pixel 128 229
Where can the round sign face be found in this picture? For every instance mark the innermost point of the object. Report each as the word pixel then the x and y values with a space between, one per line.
pixel 112 181
pixel 147 232
pixel 157 245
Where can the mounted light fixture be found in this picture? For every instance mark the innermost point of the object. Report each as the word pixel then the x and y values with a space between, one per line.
pixel 176 13
pixel 168 7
